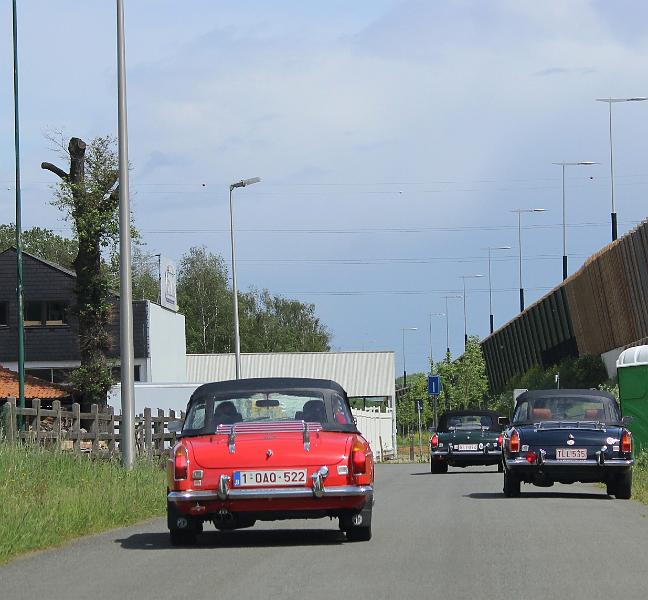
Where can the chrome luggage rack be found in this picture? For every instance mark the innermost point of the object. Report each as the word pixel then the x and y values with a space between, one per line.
pixel 268 427
pixel 596 425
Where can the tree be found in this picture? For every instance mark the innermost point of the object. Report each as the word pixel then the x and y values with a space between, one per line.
pixel 88 196
pixel 43 243
pixel 267 323
pixel 464 381
pixel 204 299
pixel 146 276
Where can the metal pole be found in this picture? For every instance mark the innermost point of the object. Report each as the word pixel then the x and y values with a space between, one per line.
pixel 564 225
pixel 490 291
pixel 465 318
pixel 237 339
pixel 614 213
pixel 419 425
pixel 447 330
pixel 127 428
pixel 520 253
pixel 404 368
pixel 431 361
pixel 19 265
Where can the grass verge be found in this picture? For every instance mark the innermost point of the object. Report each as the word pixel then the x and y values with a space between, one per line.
pixel 640 478
pixel 48 497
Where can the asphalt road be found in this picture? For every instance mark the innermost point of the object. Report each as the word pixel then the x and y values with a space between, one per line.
pixel 435 536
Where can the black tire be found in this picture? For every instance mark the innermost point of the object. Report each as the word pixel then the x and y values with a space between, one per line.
pixel 623 485
pixel 436 466
pixel 511 485
pixel 443 467
pixel 181 537
pixel 610 488
pixel 500 467
pixel 357 533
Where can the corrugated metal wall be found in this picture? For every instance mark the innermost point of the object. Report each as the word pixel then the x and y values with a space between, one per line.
pixel 359 373
pixel 599 308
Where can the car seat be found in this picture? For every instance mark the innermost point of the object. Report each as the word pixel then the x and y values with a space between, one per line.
pixel 594 414
pixel 314 411
pixel 542 413
pixel 226 413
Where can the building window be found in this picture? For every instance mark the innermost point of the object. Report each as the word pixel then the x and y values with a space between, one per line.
pixel 56 313
pixel 4 314
pixel 33 314
pixel 45 313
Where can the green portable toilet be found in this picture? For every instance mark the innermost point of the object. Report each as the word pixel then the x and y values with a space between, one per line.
pixel 632 371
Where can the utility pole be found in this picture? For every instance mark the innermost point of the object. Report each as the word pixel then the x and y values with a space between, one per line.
pixel 19 262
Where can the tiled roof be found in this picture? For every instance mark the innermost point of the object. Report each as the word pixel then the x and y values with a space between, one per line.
pixel 34 387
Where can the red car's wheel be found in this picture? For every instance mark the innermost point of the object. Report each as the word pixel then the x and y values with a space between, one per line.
pixel 357 526
pixel 180 537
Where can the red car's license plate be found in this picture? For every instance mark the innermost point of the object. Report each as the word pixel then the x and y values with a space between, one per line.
pixel 270 478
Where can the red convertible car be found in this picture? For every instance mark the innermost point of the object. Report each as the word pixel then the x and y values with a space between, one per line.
pixel 269 449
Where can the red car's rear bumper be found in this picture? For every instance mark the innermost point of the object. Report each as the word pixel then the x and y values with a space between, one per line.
pixel 271 499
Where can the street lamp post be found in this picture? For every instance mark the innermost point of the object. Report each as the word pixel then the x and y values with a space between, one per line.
pixel 433 315
pixel 237 339
pixel 490 285
pixel 564 227
pixel 464 277
pixel 611 101
pixel 126 352
pixel 455 297
pixel 519 212
pixel 404 329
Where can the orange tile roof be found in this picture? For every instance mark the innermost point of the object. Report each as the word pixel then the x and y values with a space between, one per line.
pixel 34 387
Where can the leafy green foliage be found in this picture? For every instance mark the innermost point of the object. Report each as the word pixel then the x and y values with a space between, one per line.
pixel 577 373
pixel 267 323
pixel 43 243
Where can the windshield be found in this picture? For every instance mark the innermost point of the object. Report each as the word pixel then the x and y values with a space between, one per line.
pixel 208 413
pixel 466 422
pixel 557 408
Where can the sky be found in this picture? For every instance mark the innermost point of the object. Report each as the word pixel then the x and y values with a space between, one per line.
pixel 393 139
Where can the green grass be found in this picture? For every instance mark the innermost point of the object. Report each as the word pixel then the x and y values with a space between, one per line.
pixel 640 479
pixel 47 497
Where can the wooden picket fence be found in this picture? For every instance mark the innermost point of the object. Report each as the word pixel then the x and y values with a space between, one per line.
pixel 64 429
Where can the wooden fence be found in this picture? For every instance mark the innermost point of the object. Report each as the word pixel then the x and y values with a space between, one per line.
pixel 92 432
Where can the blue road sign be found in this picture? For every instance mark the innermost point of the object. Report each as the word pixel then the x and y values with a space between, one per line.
pixel 434 385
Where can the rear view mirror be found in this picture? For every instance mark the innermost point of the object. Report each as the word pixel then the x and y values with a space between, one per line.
pixel 267 403
pixel 505 421
pixel 174 426
pixel 627 420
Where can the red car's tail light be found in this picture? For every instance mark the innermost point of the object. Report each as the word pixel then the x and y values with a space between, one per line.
pixel 358 458
pixel 180 462
pixel 626 441
pixel 514 442
pixel 434 441
pixel 499 439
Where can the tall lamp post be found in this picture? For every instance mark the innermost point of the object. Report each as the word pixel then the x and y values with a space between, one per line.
pixel 126 352
pixel 490 285
pixel 237 338
pixel 404 329
pixel 454 297
pixel 463 278
pixel 610 102
pixel 433 315
pixel 519 212
pixel 564 227
pixel 19 245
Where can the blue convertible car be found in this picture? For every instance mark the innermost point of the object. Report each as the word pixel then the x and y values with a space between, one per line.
pixel 567 436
